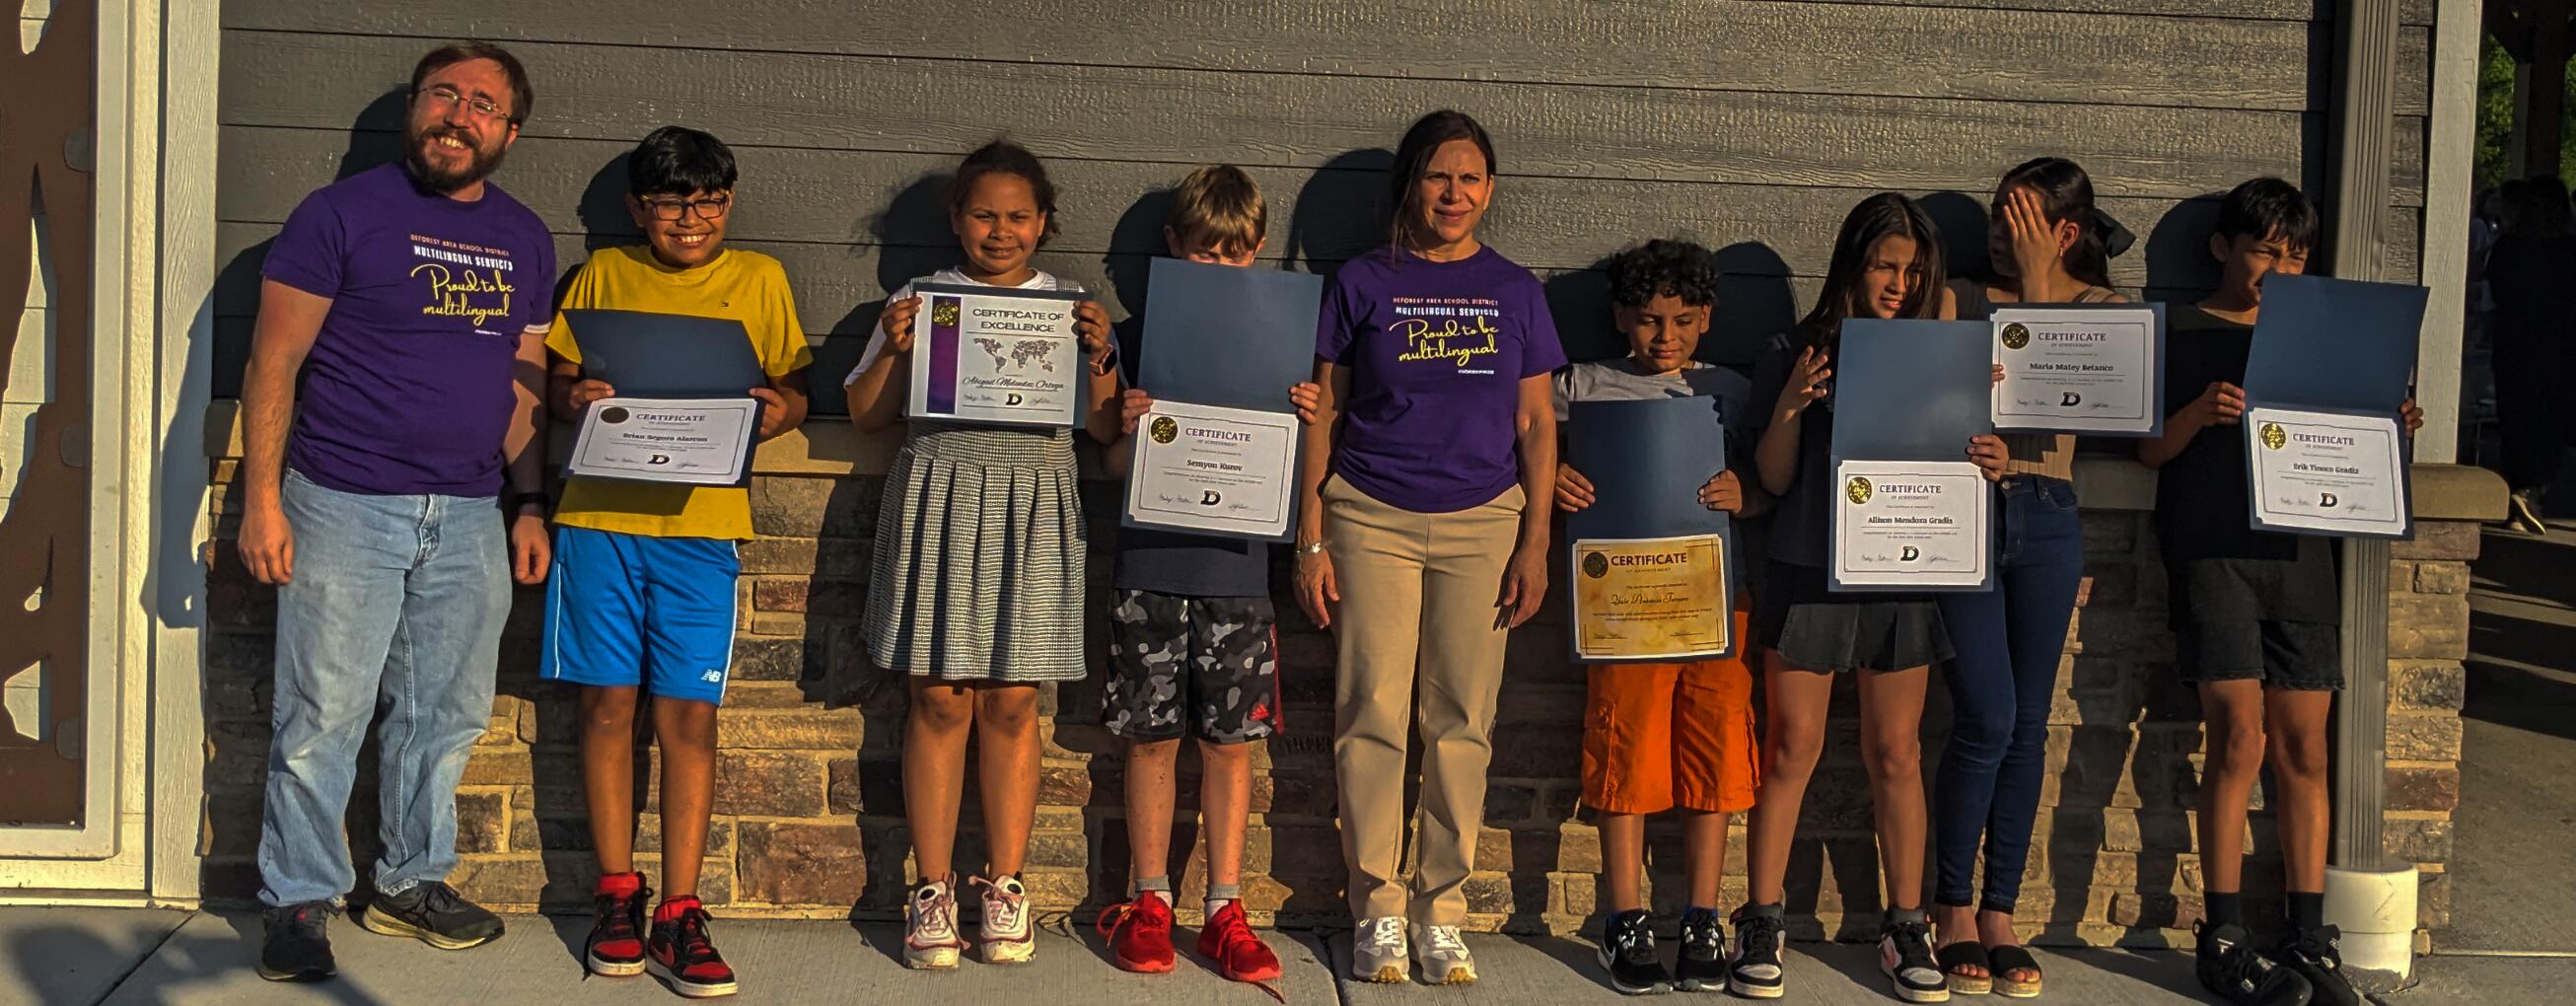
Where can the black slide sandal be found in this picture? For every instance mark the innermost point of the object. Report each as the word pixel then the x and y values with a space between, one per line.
pixel 1969 953
pixel 2006 960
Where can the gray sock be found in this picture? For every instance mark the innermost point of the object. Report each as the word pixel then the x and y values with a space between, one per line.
pixel 1218 895
pixel 1160 882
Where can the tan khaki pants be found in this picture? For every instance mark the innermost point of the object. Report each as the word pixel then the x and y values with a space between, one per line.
pixel 1419 641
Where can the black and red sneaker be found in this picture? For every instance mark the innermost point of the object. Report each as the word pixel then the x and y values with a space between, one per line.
pixel 681 954
pixel 616 945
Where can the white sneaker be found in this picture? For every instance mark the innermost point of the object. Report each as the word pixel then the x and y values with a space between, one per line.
pixel 1007 937
pixel 930 932
pixel 1379 952
pixel 1443 956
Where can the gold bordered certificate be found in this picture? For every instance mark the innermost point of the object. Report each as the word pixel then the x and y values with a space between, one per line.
pixel 1651 598
pixel 2326 472
pixel 693 441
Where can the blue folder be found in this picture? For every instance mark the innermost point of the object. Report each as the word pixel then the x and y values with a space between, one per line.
pixel 1646 460
pixel 1227 336
pixel 648 355
pixel 1911 390
pixel 2341 346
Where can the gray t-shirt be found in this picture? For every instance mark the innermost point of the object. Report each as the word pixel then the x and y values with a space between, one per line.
pixel 1625 380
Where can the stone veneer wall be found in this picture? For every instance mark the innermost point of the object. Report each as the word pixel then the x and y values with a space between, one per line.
pixel 809 814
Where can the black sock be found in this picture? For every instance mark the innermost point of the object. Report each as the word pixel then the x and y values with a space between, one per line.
pixel 2223 909
pixel 2307 911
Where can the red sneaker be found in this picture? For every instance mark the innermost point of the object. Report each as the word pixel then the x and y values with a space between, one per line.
pixel 1140 933
pixel 616 944
pixel 1239 955
pixel 683 956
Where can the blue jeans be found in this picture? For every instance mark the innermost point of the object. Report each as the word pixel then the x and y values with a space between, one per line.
pixel 2009 641
pixel 394 601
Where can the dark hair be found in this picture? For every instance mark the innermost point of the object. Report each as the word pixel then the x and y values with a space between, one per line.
pixel 1678 269
pixel 1003 157
pixel 523 98
pixel 2266 208
pixel 1413 155
pixel 2539 208
pixel 1884 215
pixel 2066 193
pixel 676 161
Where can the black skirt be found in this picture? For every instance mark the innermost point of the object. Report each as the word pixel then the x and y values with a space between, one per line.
pixel 1818 630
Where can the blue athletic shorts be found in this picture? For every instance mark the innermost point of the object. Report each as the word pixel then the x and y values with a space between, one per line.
pixel 627 609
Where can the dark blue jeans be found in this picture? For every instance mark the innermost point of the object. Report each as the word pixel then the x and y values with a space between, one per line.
pixel 2009 641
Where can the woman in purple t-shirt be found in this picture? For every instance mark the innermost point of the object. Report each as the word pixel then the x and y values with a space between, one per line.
pixel 1434 431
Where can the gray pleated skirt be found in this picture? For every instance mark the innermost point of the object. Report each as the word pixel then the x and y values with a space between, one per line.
pixel 1819 630
pixel 978 571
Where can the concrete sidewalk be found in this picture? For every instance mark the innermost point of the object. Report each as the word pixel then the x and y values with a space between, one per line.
pixel 80 957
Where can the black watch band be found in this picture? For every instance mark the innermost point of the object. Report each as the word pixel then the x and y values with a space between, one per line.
pixel 521 501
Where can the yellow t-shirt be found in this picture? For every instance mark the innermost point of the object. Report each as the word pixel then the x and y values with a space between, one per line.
pixel 745 286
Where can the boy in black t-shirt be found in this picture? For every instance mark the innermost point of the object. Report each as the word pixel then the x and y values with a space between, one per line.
pixel 2255 616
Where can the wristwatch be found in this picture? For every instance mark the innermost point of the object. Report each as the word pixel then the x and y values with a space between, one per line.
pixel 1308 548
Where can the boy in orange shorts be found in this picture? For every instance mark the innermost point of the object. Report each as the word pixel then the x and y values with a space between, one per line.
pixel 1660 736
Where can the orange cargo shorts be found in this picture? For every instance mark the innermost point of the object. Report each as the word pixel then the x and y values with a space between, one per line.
pixel 1658 736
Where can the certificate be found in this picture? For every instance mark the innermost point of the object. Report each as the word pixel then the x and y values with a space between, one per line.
pixel 2327 472
pixel 1208 470
pixel 1651 598
pixel 1909 525
pixel 995 355
pixel 2079 370
pixel 690 441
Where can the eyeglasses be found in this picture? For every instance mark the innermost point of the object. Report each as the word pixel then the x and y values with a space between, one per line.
pixel 450 97
pixel 712 208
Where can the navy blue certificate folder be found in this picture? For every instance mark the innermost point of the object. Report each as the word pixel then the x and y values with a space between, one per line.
pixel 1908 390
pixel 2334 345
pixel 648 355
pixel 1646 460
pixel 1227 336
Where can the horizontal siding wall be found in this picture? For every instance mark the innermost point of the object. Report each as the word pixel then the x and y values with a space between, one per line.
pixel 1749 126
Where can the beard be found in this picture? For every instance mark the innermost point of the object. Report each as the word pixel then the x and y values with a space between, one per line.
pixel 479 162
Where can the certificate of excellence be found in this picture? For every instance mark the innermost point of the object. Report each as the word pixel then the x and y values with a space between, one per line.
pixel 1651 598
pixel 992 355
pixel 690 441
pixel 2089 370
pixel 2326 472
pixel 1208 470
pixel 1910 524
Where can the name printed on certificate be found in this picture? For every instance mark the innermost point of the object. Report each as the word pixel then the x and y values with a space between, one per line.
pixel 995 358
pixel 695 441
pixel 1911 524
pixel 2087 371
pixel 2326 472
pixel 1212 470
pixel 1651 598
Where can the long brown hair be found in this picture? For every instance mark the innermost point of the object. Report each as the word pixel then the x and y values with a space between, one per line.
pixel 1884 215
pixel 1413 155
pixel 2066 194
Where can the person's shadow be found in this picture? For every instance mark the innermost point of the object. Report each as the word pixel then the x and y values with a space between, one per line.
pixel 1340 212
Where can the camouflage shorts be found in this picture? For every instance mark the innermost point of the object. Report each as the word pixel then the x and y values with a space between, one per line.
pixel 1202 666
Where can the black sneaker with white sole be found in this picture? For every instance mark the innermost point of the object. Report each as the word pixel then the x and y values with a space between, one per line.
pixel 1755 972
pixel 1628 952
pixel 296 946
pixel 1905 956
pixel 432 913
pixel 1701 966
pixel 2230 968
pixel 2317 956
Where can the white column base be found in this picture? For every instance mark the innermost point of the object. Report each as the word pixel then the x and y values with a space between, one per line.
pixel 2376 911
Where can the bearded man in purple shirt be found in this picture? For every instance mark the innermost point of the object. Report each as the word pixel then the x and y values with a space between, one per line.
pixel 390 400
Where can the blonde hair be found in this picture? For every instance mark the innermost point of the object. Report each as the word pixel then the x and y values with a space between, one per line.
pixel 1220 203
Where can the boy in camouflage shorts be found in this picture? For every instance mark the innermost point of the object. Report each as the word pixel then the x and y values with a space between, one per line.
pixel 1193 649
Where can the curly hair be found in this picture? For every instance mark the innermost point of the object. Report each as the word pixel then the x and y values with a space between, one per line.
pixel 1003 157
pixel 1678 269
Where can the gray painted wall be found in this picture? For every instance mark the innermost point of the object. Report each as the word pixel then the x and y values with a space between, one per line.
pixel 1750 126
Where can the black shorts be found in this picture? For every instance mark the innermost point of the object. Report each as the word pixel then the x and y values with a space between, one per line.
pixel 2296 656
pixel 1204 666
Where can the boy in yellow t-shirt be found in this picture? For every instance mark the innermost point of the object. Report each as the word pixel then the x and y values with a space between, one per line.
pixel 642 589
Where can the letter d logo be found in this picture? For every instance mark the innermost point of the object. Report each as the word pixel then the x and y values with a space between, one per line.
pixel 2326 500
pixel 1210 498
pixel 1014 399
pixel 1911 553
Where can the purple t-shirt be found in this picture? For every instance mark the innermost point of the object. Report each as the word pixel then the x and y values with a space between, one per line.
pixel 408 388
pixel 1436 353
